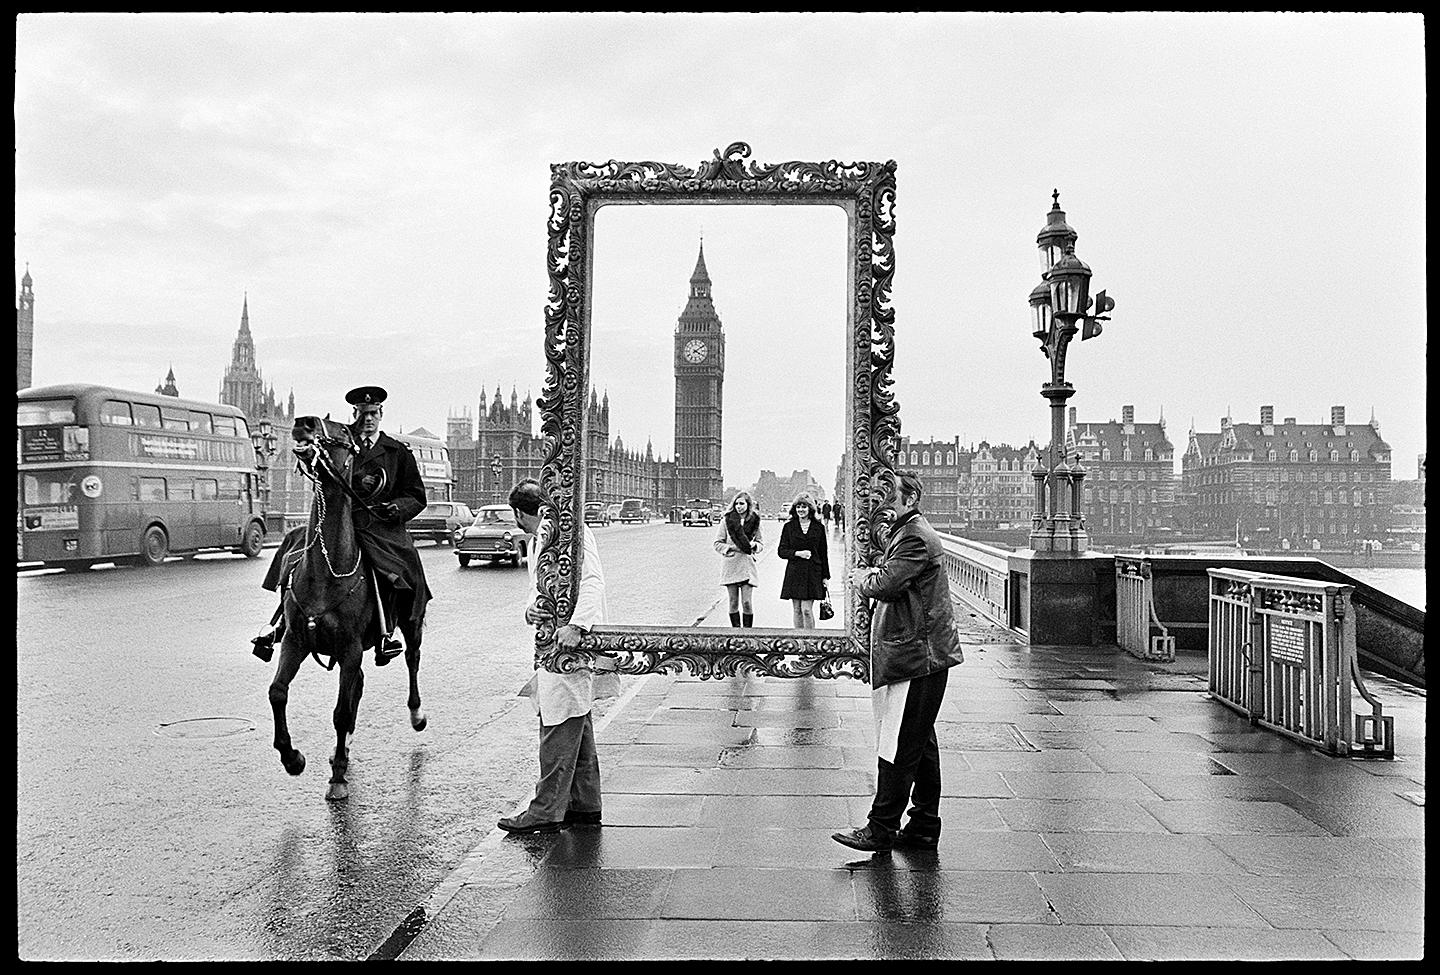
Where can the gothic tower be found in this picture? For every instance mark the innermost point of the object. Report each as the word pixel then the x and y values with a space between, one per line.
pixel 25 333
pixel 168 387
pixel 243 386
pixel 699 391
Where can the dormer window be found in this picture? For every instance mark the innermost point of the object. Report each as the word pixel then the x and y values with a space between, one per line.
pixel 924 459
pixel 1354 456
pixel 1314 455
pixel 1294 456
pixel 1270 454
pixel 1105 454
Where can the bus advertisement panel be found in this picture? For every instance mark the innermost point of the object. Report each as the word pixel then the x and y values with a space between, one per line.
pixel 108 474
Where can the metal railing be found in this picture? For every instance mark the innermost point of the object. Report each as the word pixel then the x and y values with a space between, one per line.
pixel 979 575
pixel 1136 622
pixel 1282 652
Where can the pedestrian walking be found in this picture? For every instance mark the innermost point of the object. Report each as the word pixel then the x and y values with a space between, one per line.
pixel 825 512
pixel 913 645
pixel 568 790
pixel 739 540
pixel 802 545
pixel 839 513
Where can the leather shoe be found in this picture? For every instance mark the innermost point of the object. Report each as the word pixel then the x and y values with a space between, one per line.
pixel 916 841
pixel 865 838
pixel 518 826
pixel 576 817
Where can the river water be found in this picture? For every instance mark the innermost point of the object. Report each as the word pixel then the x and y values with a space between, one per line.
pixel 1407 585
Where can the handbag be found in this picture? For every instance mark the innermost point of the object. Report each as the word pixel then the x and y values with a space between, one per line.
pixel 827 611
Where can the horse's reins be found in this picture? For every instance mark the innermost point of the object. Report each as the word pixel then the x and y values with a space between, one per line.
pixel 321 461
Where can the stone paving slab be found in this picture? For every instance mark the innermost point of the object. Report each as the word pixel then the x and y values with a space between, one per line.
pixel 1095 807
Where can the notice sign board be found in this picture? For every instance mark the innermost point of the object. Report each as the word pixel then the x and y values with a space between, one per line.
pixel 173 448
pixel 41 444
pixel 52 517
pixel 1289 641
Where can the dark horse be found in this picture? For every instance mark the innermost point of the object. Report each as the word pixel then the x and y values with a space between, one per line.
pixel 330 600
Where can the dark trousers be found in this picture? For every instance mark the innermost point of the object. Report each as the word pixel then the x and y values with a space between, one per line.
pixel 914 776
pixel 569 771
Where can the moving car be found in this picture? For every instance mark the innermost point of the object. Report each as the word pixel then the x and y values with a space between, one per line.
pixel 440 521
pixel 493 535
pixel 633 509
pixel 698 511
pixel 597 513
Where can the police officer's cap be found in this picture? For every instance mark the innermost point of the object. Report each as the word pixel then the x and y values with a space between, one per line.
pixel 365 396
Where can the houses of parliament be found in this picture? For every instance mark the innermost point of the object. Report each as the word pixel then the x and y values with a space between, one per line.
pixel 493 449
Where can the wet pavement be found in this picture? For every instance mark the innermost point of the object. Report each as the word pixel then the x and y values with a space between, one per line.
pixel 1096 807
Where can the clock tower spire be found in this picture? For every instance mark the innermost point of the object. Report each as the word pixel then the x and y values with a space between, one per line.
pixel 699 391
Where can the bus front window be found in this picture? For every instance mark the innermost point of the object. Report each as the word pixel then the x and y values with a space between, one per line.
pixel 45 412
pixel 46 488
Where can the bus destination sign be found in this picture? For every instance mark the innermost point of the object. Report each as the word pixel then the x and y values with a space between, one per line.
pixel 52 443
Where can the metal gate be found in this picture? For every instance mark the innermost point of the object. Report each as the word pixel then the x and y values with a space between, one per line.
pixel 1282 651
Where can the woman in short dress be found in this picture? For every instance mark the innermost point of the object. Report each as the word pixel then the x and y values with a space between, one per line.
pixel 807 562
pixel 739 540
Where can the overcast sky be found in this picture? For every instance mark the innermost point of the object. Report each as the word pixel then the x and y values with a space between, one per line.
pixel 1250 189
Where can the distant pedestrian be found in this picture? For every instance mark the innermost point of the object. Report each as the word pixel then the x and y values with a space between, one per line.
pixel 568 790
pixel 739 540
pixel 913 645
pixel 825 512
pixel 839 513
pixel 802 545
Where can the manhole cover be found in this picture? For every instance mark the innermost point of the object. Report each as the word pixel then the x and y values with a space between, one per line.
pixel 982 736
pixel 204 727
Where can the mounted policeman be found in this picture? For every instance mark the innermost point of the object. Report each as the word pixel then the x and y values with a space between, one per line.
pixel 387 491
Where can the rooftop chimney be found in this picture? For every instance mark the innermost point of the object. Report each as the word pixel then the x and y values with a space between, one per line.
pixel 1127 414
pixel 1267 420
pixel 1337 420
pixel 1289 421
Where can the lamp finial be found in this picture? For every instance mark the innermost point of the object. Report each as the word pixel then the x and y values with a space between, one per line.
pixel 1055 195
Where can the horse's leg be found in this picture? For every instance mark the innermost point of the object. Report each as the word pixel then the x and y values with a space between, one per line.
pixel 346 703
pixel 291 656
pixel 418 721
pixel 357 692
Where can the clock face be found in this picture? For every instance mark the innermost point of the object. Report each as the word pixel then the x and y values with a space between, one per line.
pixel 695 351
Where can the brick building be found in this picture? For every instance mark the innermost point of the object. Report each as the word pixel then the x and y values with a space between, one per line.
pixel 1321 486
pixel 944 469
pixel 1002 485
pixel 1129 486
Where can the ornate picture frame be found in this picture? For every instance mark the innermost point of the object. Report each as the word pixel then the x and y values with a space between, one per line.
pixel 866 192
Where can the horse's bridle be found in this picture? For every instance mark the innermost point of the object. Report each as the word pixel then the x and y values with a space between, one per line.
pixel 320 461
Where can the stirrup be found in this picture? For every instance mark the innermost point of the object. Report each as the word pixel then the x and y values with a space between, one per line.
pixel 388 649
pixel 264 646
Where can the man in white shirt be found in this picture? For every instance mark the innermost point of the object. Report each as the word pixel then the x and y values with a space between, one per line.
pixel 568 790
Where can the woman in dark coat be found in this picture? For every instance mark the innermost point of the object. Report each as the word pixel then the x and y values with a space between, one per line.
pixel 807 562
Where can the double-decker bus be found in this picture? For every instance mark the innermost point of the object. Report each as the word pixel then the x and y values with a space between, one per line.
pixel 433 459
pixel 109 474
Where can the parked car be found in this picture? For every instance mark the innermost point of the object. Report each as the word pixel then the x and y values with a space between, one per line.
pixel 698 511
pixel 614 509
pixel 440 521
pixel 633 509
pixel 493 535
pixel 597 513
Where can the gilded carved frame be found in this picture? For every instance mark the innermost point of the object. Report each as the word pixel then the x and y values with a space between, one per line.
pixel 866 191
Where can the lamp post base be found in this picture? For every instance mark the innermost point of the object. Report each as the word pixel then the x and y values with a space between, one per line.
pixel 1059 540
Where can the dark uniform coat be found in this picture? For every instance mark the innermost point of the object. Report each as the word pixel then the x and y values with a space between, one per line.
pixel 912 631
pixel 804 578
pixel 386 473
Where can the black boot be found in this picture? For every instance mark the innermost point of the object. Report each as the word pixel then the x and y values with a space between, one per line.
pixel 265 643
pixel 747 619
pixel 388 650
pixel 735 619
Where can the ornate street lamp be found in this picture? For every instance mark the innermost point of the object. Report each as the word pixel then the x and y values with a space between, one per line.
pixel 1059 305
pixel 263 440
pixel 495 469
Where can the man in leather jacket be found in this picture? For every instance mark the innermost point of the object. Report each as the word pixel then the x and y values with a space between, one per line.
pixel 387 478
pixel 913 645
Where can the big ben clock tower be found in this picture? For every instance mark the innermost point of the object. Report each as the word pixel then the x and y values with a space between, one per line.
pixel 699 392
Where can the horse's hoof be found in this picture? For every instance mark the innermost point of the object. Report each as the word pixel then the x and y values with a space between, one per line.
pixel 418 721
pixel 337 792
pixel 296 765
